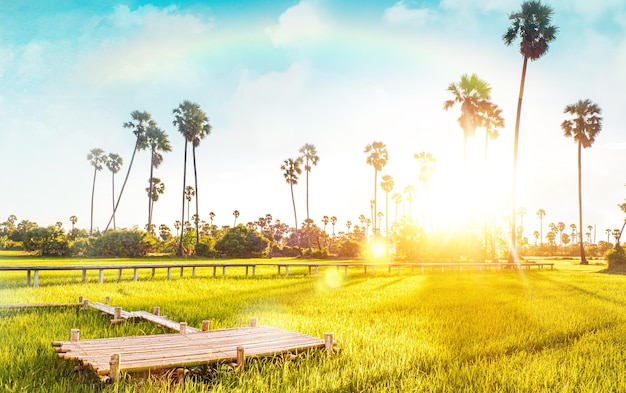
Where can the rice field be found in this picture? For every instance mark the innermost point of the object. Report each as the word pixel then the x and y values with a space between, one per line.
pixel 489 331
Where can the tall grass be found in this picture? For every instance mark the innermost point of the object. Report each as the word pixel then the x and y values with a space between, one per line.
pixel 490 331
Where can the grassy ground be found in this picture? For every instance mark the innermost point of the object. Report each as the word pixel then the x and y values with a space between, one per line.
pixel 496 331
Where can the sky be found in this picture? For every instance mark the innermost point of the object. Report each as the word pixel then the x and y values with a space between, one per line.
pixel 274 75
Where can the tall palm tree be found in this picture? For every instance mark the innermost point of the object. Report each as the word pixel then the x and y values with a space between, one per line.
pixel 194 125
pixel 387 183
pixel 114 163
pixel 583 127
pixel 309 157
pixel 155 189
pixel 333 222
pixel 236 214
pixel 348 225
pixel 473 94
pixel 492 120
pixel 291 170
pixel 531 24
pixel 139 122
pixel 96 158
pixel 158 143
pixel 541 214
pixel 325 221
pixel 377 157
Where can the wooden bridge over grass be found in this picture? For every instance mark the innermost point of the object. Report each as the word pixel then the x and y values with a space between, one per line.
pixel 32 272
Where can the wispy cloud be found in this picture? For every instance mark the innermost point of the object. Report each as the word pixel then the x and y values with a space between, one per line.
pixel 298 23
pixel 399 13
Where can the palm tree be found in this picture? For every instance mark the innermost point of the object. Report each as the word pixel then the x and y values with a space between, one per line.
pixel 177 225
pixel 532 26
pixel 387 183
pixel 155 189
pixel 333 222
pixel 492 120
pixel 291 170
pixel 473 94
pixel 584 127
pixel 377 158
pixel 348 225
pixel 194 125
pixel 140 121
pixel 211 217
pixel 96 158
pixel 325 221
pixel 189 194
pixel 541 214
pixel 236 214
pixel 608 234
pixel 157 142
pixel 397 199
pixel 73 220
pixel 310 157
pixel 409 191
pixel 114 163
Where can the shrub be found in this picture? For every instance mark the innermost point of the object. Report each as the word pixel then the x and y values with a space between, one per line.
pixel 50 241
pixel 122 243
pixel 616 257
pixel 349 249
pixel 241 242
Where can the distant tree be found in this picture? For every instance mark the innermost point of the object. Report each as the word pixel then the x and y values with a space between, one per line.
pixel 114 164
pixel 291 170
pixel 140 121
pixel 309 157
pixel 397 199
pixel 409 192
pixel 155 189
pixel 194 125
pixel 177 226
pixel 236 214
pixel 377 157
pixel 348 225
pixel 333 222
pixel 73 220
pixel 189 194
pixel 532 26
pixel 158 143
pixel 541 214
pixel 387 184
pixel 96 158
pixel 164 232
pixel 325 221
pixel 583 127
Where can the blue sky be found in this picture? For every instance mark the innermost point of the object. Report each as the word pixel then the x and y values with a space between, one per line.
pixel 274 75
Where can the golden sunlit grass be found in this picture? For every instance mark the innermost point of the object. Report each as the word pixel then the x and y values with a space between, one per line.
pixel 532 331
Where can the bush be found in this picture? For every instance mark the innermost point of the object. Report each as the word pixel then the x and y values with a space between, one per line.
pixel 50 241
pixel 349 249
pixel 616 257
pixel 122 243
pixel 241 242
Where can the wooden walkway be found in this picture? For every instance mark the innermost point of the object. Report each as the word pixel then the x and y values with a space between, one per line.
pixel 108 357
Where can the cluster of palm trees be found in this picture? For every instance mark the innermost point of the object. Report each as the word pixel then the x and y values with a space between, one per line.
pixel 533 27
pixel 291 168
pixel 113 162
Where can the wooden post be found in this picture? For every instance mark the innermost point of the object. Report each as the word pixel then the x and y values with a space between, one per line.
pixel 193 272
pixel 85 302
pixel 317 270
pixel 84 275
pixel 36 282
pixel 101 276
pixel 114 369
pixel 80 299
pixel 206 325
pixel 253 322
pixel 253 270
pixel 119 274
pixel 183 328
pixel 223 270
pixel 214 268
pixel 135 274
pixel 286 270
pixel 117 314
pixel 241 359
pixel 153 269
pixel 74 335
pixel 181 271
pixel 345 269
pixel 328 342
pixel 169 273
pixel 107 299
pixel 28 278
pixel 156 310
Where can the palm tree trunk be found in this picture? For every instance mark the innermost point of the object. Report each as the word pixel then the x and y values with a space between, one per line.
pixel 583 259
pixel 112 196
pixel 293 201
pixel 387 215
pixel 195 175
pixel 182 219
pixel 150 191
pixel 132 158
pixel 93 191
pixel 375 203
pixel 513 248
pixel 308 222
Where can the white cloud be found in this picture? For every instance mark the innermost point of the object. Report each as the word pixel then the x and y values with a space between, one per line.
pixel 400 14
pixel 297 23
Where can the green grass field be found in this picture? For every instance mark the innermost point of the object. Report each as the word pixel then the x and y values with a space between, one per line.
pixel 490 331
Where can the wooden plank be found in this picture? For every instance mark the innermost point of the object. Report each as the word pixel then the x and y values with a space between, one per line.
pixel 162 321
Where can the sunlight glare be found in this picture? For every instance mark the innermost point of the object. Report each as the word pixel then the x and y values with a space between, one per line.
pixel 332 278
